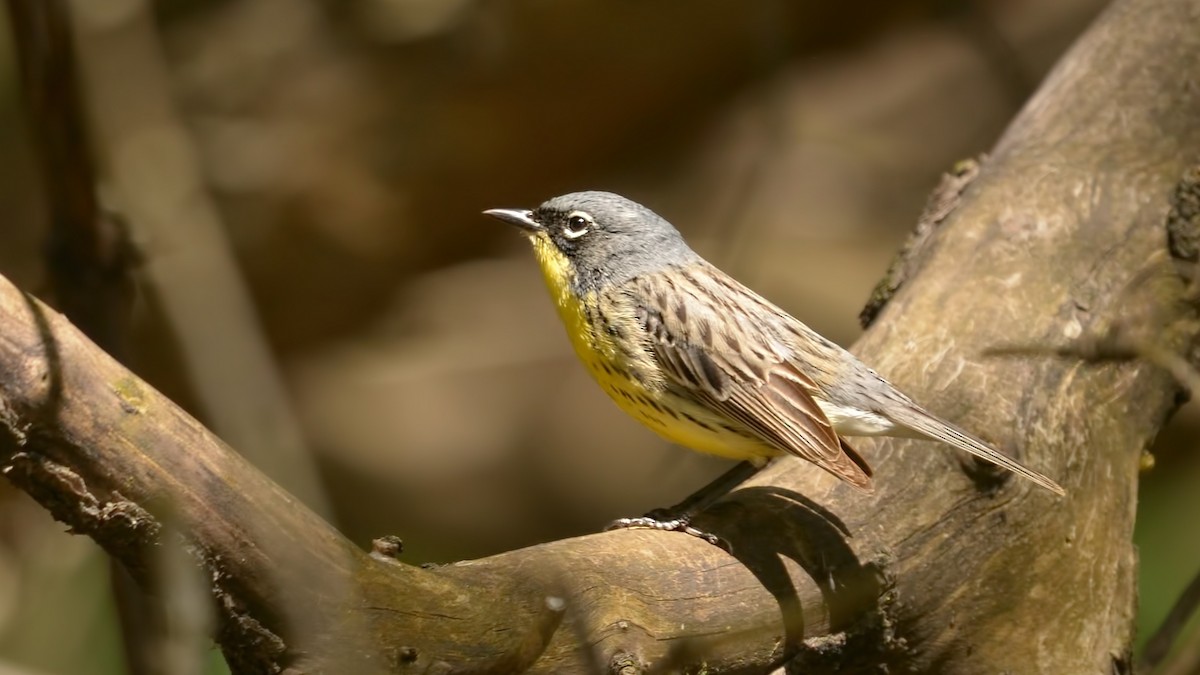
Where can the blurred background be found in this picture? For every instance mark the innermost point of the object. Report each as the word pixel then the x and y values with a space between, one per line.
pixel 304 178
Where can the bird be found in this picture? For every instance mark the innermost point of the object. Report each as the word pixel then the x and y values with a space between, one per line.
pixel 707 363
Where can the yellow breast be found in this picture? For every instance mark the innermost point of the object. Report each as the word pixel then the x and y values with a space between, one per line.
pixel 630 376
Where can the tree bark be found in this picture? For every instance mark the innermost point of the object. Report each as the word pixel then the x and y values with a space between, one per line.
pixel 1076 231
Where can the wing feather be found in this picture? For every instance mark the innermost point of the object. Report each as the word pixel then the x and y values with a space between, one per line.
pixel 716 342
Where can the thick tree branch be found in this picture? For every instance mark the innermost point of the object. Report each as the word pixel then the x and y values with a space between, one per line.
pixel 948 567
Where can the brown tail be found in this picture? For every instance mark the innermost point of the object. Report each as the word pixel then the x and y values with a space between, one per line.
pixel 926 424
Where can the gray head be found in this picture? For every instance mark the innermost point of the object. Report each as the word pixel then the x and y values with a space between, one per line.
pixel 605 237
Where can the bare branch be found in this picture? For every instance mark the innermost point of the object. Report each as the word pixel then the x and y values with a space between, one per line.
pixel 1164 638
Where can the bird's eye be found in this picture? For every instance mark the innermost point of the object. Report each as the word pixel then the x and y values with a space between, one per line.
pixel 578 224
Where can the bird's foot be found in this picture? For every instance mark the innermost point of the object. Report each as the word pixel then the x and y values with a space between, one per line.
pixel 681 523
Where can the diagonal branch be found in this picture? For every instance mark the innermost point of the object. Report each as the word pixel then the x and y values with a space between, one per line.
pixel 1163 639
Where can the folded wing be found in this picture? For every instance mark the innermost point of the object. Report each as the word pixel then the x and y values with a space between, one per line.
pixel 711 338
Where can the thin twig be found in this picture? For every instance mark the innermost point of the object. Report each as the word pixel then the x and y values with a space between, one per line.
pixel 1112 347
pixel 1159 644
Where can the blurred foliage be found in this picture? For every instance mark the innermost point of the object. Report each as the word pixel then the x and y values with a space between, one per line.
pixel 348 148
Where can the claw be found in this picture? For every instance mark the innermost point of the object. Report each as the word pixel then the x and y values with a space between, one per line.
pixel 681 524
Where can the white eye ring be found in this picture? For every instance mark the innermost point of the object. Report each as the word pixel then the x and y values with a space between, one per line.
pixel 578 224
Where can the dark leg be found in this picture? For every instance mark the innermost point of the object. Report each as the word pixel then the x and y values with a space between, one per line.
pixel 678 518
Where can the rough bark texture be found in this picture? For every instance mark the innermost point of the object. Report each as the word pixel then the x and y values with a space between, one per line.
pixel 947 568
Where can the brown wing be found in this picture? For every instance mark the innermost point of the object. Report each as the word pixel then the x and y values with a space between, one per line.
pixel 714 339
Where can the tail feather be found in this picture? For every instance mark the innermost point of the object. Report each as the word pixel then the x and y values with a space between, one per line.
pixel 926 424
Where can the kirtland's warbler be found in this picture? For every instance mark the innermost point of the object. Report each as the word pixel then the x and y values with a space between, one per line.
pixel 706 362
